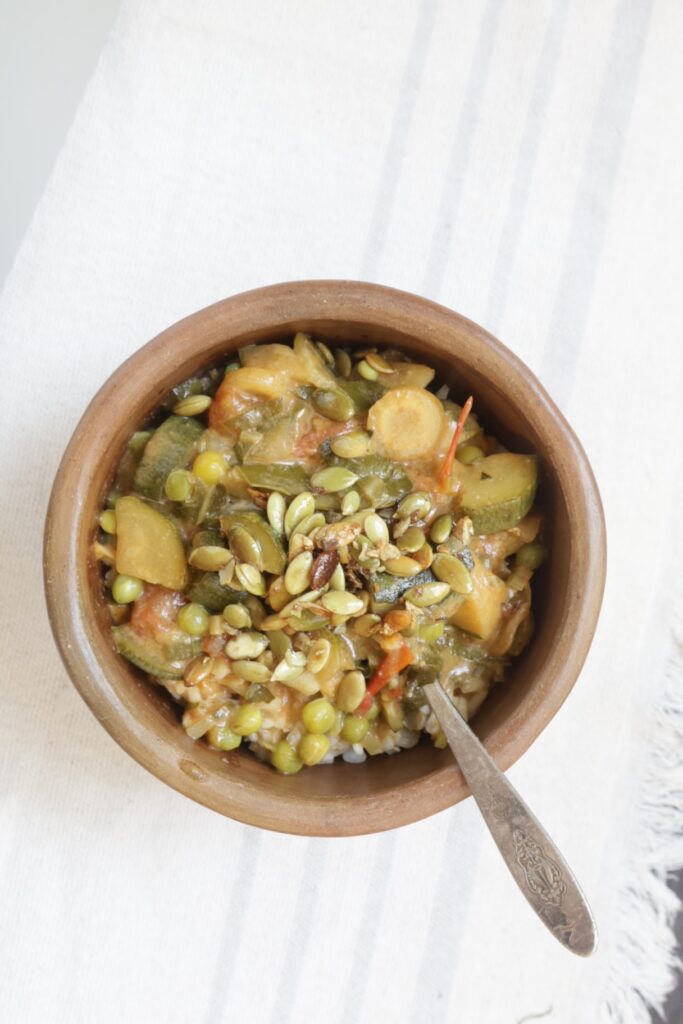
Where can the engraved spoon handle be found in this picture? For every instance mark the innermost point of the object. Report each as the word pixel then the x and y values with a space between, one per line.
pixel 533 859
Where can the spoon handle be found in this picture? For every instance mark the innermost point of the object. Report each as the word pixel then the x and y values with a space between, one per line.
pixel 530 854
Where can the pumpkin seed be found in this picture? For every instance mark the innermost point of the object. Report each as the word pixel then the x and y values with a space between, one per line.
pixel 237 616
pixel 245 547
pixel 350 503
pixel 209 558
pixel 294 607
pixel 193 405
pixel 275 510
pixel 416 505
pixel 378 363
pixel 427 594
pixel 309 524
pixel 277 594
pixel 337 580
pixel 335 405
pixel 402 566
pixel 252 671
pixel 279 643
pixel 325 352
pixel 451 570
pixel 376 529
pixel 256 610
pixel 299 507
pixel 441 529
pixel 343 361
pixel 339 602
pixel 179 485
pixel 318 655
pixel 246 645
pixel 285 673
pixel 411 540
pixel 287 670
pixel 424 556
pixel 351 446
pixel 366 371
pixel 334 478
pixel 298 573
pixel 350 691
pixel 367 625
pixel 393 713
pixel 252 579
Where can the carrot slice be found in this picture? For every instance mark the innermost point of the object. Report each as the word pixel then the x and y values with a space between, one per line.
pixel 447 464
pixel 389 667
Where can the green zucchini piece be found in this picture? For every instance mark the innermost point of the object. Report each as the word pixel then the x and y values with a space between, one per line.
pixel 164 662
pixel 208 590
pixel 363 393
pixel 381 482
pixel 273 554
pixel 170 447
pixel 499 491
pixel 287 480
pixel 389 589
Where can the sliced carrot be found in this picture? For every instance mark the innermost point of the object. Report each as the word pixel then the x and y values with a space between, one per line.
pixel 447 464
pixel 390 665
pixel 406 423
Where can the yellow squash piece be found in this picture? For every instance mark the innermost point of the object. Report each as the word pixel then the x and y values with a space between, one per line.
pixel 406 423
pixel 316 370
pixel 407 375
pixel 148 545
pixel 480 611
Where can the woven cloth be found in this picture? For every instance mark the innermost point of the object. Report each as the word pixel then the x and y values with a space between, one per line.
pixel 517 161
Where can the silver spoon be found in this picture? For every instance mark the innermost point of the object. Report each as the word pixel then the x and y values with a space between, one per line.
pixel 530 854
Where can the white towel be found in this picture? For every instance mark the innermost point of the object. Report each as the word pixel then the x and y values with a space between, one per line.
pixel 520 162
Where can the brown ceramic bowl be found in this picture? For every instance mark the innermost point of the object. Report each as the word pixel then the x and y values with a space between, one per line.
pixel 383 792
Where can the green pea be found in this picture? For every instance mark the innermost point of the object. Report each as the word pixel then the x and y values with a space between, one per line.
pixel 246 719
pixel 286 759
pixel 178 486
pixel 193 619
pixel 224 738
pixel 469 453
pixel 108 521
pixel 312 748
pixel 126 589
pixel 318 715
pixel 531 556
pixel 354 729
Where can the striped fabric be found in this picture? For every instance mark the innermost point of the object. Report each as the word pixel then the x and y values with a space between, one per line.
pixel 519 161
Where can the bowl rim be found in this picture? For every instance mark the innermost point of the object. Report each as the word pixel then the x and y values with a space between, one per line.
pixel 354 302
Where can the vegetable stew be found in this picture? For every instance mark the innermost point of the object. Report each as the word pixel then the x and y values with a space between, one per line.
pixel 304 538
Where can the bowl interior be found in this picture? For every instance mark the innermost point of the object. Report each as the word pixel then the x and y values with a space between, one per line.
pixel 340 798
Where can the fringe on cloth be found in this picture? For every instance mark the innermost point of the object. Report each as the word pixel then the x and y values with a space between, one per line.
pixel 645 962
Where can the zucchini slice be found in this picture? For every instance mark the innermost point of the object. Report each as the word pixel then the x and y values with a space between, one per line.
pixel 170 447
pixel 208 590
pixel 386 588
pixel 498 491
pixel 152 657
pixel 287 480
